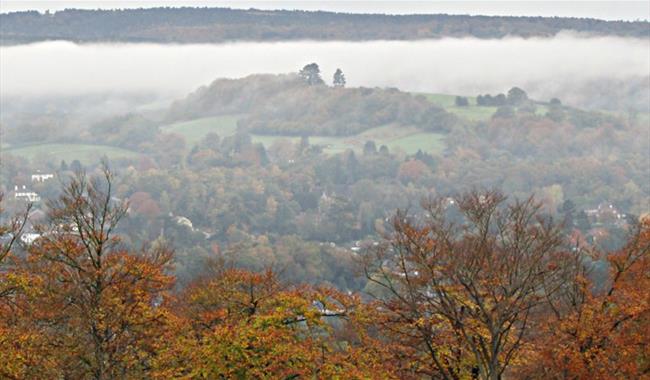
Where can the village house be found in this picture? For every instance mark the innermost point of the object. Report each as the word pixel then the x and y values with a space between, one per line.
pixel 606 214
pixel 41 177
pixel 26 195
pixel 30 232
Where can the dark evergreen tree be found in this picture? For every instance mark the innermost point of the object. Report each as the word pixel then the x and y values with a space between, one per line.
pixel 76 166
pixel 311 74
pixel 339 79
pixel 369 148
pixel 568 212
pixel 461 101
pixel 426 158
pixel 500 100
pixel 517 96
pixel 582 222
pixel 261 151
pixel 352 167
pixel 304 143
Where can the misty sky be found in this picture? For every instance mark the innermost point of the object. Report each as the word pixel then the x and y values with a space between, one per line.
pixel 606 10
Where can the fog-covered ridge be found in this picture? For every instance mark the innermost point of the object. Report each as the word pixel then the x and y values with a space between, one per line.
pixel 568 66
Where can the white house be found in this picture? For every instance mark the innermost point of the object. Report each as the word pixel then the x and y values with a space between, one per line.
pixel 42 177
pixel 183 221
pixel 29 238
pixel 23 194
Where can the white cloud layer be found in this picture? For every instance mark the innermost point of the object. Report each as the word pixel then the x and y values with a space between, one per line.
pixel 544 66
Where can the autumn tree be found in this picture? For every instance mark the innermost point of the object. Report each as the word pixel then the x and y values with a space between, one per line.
pixel 97 302
pixel 459 292
pixel 241 324
pixel 142 203
pixel 20 344
pixel 10 233
pixel 412 170
pixel 600 332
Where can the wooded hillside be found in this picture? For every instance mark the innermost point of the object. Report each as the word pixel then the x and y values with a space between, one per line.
pixel 204 25
pixel 289 105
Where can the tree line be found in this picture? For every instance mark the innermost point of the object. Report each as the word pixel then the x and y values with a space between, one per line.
pixel 206 25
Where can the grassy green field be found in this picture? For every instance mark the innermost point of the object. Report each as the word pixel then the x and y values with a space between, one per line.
pixel 408 139
pixel 445 100
pixel 427 142
pixel 195 130
pixel 471 112
pixel 85 153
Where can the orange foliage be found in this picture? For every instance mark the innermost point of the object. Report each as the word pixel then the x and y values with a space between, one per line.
pixel 249 325
pixel 494 297
pixel 412 170
pixel 603 334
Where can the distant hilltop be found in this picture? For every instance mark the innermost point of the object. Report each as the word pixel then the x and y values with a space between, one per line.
pixel 214 25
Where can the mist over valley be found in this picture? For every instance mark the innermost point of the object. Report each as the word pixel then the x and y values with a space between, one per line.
pixel 292 192
pixel 575 68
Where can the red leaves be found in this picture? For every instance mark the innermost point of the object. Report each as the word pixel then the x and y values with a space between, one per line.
pixel 603 335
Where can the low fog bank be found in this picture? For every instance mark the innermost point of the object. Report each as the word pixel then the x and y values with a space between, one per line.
pixel 80 110
pixel 580 70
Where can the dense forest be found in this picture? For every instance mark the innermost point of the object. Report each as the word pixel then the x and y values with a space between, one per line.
pixel 208 25
pixel 261 170
pixel 477 287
